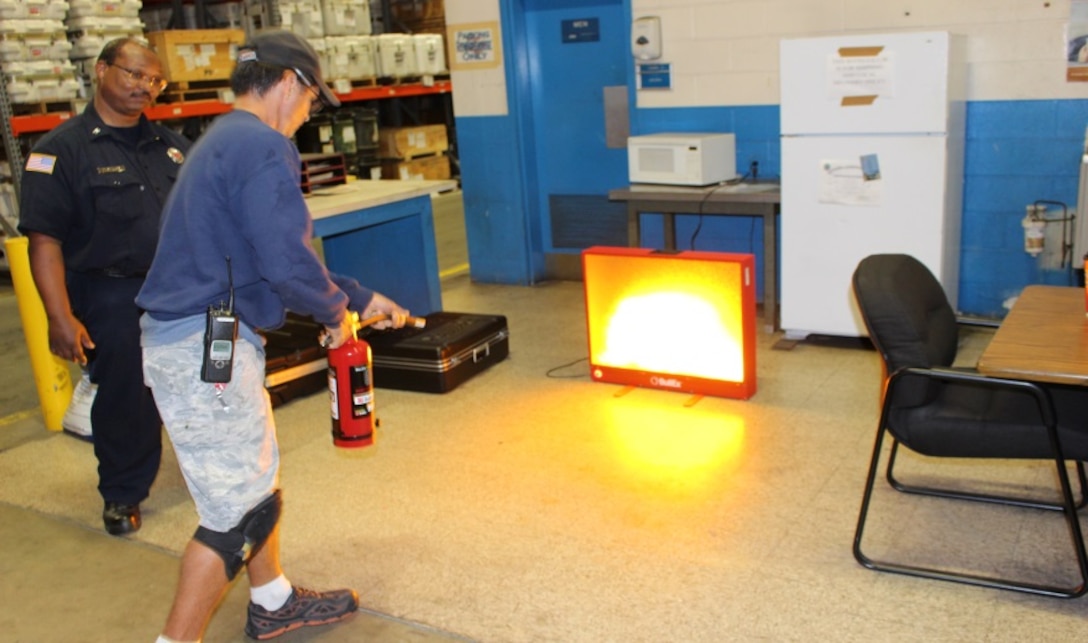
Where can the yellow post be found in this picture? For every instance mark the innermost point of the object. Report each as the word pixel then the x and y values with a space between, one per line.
pixel 51 375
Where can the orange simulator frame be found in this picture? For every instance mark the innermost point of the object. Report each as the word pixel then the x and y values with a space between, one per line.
pixel 680 321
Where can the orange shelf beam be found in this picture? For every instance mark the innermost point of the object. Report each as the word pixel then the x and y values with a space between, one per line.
pixel 166 111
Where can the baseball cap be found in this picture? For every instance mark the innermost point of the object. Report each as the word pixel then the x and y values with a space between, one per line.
pixel 290 51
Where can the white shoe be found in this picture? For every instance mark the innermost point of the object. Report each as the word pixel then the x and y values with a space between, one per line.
pixel 77 419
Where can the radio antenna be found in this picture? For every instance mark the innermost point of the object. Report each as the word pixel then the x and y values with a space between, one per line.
pixel 230 287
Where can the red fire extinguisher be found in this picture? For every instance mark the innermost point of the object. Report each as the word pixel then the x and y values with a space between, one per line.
pixel 351 386
pixel 351 392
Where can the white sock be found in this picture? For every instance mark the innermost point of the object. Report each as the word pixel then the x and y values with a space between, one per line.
pixel 273 594
pixel 164 639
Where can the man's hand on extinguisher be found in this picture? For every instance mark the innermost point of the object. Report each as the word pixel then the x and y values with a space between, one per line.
pixel 382 305
pixel 335 336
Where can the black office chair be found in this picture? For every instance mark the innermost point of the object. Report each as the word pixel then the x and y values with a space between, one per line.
pixel 936 410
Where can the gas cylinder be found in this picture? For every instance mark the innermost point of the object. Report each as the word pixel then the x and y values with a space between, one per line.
pixel 351 393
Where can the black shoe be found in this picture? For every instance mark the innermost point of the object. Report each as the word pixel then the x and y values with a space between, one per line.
pixel 305 607
pixel 121 519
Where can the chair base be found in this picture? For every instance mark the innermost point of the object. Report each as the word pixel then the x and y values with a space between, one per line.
pixel 1068 507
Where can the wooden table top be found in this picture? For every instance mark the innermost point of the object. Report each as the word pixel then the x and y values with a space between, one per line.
pixel 1044 338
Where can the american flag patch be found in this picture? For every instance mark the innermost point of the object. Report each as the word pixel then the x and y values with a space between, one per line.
pixel 43 163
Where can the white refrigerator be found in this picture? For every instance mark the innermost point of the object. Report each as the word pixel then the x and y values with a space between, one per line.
pixel 872 162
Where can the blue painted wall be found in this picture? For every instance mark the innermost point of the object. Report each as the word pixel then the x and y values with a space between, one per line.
pixel 1017 152
pixel 498 224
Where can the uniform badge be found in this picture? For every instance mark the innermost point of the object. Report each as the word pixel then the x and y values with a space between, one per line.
pixel 44 163
pixel 175 155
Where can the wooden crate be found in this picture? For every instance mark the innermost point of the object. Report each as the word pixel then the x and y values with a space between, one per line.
pixel 427 168
pixel 409 142
pixel 197 54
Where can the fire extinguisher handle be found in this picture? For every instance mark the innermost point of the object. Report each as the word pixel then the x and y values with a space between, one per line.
pixel 414 322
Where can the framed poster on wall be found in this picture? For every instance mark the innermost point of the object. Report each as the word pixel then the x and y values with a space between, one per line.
pixel 1077 42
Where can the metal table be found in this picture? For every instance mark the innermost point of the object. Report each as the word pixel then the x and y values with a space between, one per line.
pixel 742 199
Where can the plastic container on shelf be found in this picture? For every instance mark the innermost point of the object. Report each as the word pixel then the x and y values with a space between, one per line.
pixel 33 9
pixel 346 17
pixel 366 130
pixel 351 57
pixel 13 49
pixel 322 49
pixel 304 18
pixel 396 56
pixel 89 43
pixel 21 92
pixel 430 54
pixel 61 88
pixel 228 15
pixel 105 8
pixel 31 69
pixel 116 24
pixel 19 29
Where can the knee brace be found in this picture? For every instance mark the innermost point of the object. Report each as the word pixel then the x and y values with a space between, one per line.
pixel 236 546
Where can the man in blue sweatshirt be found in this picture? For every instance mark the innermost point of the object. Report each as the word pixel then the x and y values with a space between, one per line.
pixel 236 221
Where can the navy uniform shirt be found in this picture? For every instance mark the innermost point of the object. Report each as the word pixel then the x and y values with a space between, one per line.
pixel 101 191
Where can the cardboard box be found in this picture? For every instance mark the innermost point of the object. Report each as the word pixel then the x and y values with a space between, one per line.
pixel 197 54
pixel 425 168
pixel 410 142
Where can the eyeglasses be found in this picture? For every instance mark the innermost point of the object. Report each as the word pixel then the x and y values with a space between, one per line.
pixel 154 83
pixel 315 101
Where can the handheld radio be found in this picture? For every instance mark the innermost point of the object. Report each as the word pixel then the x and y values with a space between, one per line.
pixel 220 332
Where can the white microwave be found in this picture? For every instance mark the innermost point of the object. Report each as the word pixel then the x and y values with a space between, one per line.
pixel 681 159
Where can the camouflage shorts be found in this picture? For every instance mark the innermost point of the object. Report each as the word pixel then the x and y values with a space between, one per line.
pixel 225 440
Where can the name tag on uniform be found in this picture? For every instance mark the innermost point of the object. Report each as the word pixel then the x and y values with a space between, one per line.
pixel 111 169
pixel 44 163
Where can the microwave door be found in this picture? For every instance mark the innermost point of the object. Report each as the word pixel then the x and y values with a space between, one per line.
pixel 660 161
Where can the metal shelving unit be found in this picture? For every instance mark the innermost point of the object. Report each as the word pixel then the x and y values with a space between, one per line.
pixel 44 122
pixel 12 151
pixel 13 126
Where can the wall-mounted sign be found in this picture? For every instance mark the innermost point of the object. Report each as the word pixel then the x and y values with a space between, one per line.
pixel 581 30
pixel 655 76
pixel 475 45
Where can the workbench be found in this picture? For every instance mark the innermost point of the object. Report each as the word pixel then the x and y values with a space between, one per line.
pixel 382 233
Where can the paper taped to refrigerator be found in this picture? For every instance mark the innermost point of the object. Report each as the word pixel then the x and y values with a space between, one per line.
pixel 843 182
pixel 860 75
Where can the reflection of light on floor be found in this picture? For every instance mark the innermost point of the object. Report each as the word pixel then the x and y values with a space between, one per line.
pixel 683 447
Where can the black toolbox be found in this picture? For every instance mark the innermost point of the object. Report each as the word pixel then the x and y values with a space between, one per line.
pixel 295 364
pixel 450 349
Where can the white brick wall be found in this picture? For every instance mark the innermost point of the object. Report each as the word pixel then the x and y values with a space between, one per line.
pixel 725 52
pixel 479 92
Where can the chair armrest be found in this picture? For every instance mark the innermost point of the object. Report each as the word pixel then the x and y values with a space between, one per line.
pixel 970 376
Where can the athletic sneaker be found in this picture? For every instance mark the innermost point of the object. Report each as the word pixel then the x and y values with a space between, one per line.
pixel 305 607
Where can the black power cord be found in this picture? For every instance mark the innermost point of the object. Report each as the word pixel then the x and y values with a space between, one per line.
pixel 752 173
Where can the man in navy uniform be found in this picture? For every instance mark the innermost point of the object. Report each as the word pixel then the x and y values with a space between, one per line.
pixel 91 200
